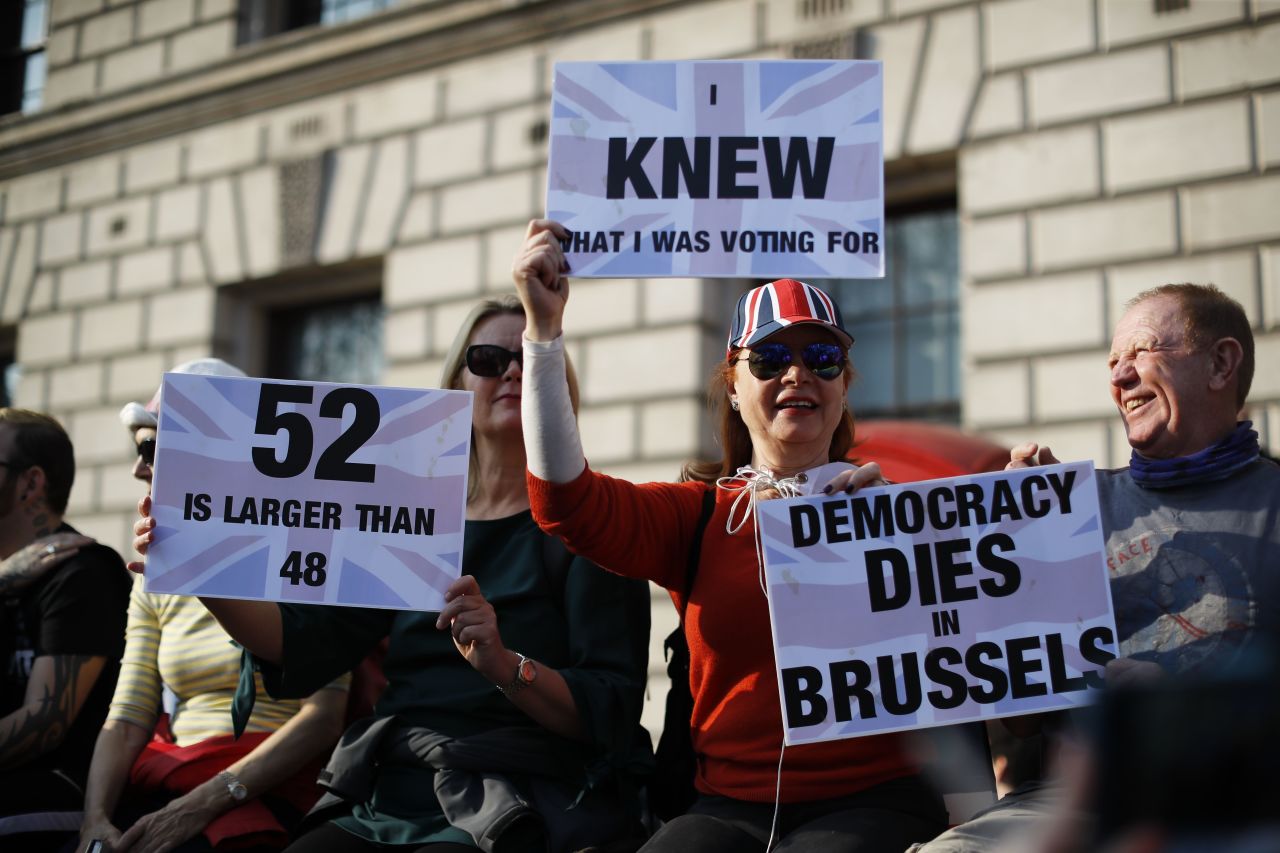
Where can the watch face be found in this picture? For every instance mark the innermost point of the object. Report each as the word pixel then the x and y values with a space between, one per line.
pixel 528 671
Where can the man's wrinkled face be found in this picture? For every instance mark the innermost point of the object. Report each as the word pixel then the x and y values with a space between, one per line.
pixel 1160 382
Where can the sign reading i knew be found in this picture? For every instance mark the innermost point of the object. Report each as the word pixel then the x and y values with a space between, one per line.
pixel 763 169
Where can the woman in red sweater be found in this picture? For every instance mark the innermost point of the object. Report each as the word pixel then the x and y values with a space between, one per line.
pixel 781 394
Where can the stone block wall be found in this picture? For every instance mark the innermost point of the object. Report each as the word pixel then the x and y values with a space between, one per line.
pixel 98 48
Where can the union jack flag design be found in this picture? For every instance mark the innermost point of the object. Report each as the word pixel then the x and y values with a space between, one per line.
pixel 821 613
pixel 393 542
pixel 793 104
pixel 774 306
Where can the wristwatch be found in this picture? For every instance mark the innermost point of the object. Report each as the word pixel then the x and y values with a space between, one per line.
pixel 235 788
pixel 526 674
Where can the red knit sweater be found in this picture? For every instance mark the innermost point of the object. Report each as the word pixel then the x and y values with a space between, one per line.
pixel 645 531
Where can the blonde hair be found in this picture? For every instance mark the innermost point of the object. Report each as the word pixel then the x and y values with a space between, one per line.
pixel 455 361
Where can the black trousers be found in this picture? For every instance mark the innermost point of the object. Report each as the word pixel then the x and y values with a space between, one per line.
pixel 39 810
pixel 328 838
pixel 889 817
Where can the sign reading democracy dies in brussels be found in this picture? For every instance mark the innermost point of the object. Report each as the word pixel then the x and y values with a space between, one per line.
pixel 762 169
pixel 309 492
pixel 942 602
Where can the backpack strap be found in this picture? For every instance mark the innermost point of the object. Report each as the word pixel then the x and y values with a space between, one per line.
pixel 695 547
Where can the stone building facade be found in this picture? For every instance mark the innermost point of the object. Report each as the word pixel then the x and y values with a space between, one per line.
pixel 197 172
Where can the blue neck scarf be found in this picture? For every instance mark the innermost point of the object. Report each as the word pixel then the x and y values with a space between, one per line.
pixel 1215 462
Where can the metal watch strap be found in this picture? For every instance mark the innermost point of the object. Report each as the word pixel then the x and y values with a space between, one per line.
pixel 517 682
pixel 235 788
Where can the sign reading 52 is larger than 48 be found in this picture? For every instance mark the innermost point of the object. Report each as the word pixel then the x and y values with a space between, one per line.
pixel 309 492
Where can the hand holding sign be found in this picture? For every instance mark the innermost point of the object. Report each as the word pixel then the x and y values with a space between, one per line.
pixel 538 271
pixel 1029 455
pixel 473 623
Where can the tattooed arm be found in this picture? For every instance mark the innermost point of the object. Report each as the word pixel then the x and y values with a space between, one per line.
pixel 58 688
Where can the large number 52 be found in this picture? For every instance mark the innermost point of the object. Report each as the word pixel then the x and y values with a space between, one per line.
pixel 334 463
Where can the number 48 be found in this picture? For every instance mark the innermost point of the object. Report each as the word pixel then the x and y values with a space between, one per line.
pixel 313 575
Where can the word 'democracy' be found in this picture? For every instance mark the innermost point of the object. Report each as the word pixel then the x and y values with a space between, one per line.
pixel 937 603
pixel 309 492
pixel 722 169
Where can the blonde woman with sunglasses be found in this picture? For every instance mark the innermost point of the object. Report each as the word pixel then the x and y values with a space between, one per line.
pixel 779 397
pixel 511 719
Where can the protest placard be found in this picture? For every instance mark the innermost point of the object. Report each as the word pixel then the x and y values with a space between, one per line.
pixel 309 492
pixel 941 602
pixel 758 169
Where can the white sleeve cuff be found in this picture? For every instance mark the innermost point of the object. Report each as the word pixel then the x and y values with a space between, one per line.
pixel 552 445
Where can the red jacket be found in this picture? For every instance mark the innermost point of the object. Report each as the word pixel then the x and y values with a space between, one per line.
pixel 645 531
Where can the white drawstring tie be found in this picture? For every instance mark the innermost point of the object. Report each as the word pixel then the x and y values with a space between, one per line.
pixel 748 482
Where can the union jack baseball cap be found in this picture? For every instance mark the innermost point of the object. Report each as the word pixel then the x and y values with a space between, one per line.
pixel 772 307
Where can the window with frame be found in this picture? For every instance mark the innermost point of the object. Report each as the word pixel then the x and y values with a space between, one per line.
pixel 25 25
pixel 261 19
pixel 907 325
pixel 10 370
pixel 337 341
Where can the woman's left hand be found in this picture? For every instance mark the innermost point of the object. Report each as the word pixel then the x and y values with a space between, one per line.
pixel 852 479
pixel 164 829
pixel 474 625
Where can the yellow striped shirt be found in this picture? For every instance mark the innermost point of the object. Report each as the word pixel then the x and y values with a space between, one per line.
pixel 173 641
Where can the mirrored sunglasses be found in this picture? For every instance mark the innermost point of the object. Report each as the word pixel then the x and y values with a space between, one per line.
pixel 491 360
pixel 766 361
pixel 147 450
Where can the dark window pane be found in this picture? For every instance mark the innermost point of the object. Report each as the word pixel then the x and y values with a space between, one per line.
pixel 33 83
pixel 907 325
pixel 863 298
pixel 9 379
pixel 873 359
pixel 933 370
pixel 34 24
pixel 261 19
pixel 338 11
pixel 333 342
pixel 929 264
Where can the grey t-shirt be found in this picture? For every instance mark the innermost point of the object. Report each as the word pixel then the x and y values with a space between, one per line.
pixel 1195 571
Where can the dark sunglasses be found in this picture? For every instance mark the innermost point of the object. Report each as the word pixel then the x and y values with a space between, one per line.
pixel 491 360
pixel 766 361
pixel 147 450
